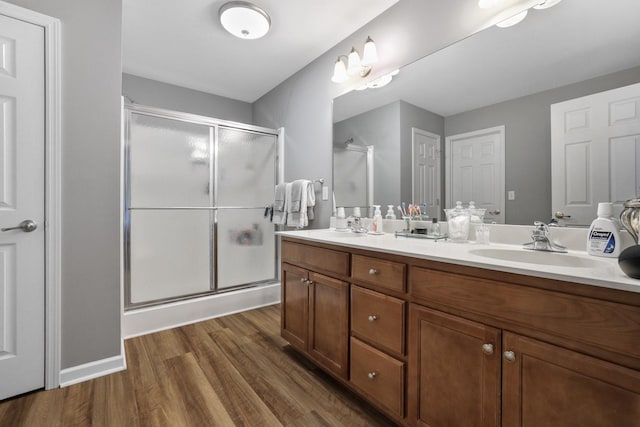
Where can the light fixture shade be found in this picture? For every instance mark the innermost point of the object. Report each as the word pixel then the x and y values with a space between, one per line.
pixel 244 20
pixel 515 19
pixel 370 53
pixel 339 72
pixel 547 4
pixel 354 65
pixel 486 4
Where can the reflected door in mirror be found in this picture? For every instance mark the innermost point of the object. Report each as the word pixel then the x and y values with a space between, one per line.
pixel 426 171
pixel 595 145
pixel 475 171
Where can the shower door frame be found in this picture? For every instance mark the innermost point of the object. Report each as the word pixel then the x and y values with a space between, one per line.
pixel 214 126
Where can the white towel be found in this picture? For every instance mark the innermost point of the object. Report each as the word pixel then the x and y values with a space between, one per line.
pixel 300 219
pixel 281 201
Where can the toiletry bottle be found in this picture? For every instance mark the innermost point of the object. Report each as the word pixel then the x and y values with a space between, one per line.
pixel 390 214
pixel 604 238
pixel 435 227
pixel 376 224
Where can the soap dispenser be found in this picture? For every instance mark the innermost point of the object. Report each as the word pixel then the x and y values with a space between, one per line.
pixel 376 223
pixel 390 214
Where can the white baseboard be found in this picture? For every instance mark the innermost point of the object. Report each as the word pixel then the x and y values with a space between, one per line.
pixel 158 318
pixel 91 370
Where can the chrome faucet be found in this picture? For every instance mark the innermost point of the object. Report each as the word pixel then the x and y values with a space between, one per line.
pixel 541 240
pixel 356 227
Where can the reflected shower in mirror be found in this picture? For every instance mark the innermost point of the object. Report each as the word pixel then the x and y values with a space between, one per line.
pixel 497 78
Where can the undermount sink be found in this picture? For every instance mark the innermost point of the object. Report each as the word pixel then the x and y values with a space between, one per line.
pixel 533 257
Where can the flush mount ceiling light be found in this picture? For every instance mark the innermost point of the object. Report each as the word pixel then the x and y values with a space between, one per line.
pixel 547 4
pixel 355 66
pixel 515 19
pixel 244 20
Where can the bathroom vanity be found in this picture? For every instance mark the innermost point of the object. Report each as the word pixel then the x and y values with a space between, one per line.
pixel 438 333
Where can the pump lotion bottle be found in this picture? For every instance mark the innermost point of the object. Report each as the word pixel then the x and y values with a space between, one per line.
pixel 604 238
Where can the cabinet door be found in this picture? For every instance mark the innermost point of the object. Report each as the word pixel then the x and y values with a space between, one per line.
pixel 294 306
pixel 454 370
pixel 545 385
pixel 329 323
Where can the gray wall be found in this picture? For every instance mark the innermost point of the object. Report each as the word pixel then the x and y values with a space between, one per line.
pixel 163 95
pixel 410 117
pixel 528 141
pixel 381 128
pixel 91 83
pixel 407 31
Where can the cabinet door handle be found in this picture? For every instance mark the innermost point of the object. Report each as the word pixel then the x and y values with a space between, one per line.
pixel 373 318
pixel 303 280
pixel 309 282
pixel 373 272
pixel 510 356
pixel 372 375
pixel 487 348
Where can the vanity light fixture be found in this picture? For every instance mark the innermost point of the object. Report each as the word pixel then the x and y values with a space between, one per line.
pixel 355 66
pixel 546 4
pixel 487 4
pixel 515 19
pixel 244 20
pixel 380 81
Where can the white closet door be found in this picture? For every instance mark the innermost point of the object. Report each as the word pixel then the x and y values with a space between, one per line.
pixel 595 153
pixel 426 171
pixel 475 171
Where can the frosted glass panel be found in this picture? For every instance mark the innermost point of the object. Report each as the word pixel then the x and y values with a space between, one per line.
pixel 246 247
pixel 350 177
pixel 169 254
pixel 246 168
pixel 168 162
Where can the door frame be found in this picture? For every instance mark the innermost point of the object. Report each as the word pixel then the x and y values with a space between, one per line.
pixel 53 183
pixel 449 160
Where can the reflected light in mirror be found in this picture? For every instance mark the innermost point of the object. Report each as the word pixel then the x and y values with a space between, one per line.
pixel 547 4
pixel 515 19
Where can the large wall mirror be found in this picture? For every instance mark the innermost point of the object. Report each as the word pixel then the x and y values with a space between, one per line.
pixel 473 120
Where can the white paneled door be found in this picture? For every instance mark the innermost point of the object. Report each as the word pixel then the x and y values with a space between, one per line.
pixel 475 171
pixel 426 171
pixel 595 153
pixel 22 169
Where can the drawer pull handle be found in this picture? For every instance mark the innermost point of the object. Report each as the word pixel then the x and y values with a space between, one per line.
pixel 373 272
pixel 510 356
pixel 487 348
pixel 373 318
pixel 372 375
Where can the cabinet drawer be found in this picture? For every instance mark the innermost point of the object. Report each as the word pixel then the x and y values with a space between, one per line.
pixel 379 272
pixel 602 324
pixel 378 319
pixel 379 376
pixel 319 259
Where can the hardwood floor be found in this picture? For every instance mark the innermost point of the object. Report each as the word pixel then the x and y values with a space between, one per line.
pixel 234 370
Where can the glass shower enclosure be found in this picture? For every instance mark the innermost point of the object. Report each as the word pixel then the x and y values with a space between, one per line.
pixel 196 189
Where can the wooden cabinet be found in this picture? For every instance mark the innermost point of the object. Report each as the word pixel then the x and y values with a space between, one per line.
pixel 438 344
pixel 315 307
pixel 378 376
pixel 329 323
pixel 454 369
pixel 546 385
pixel 377 348
pixel 294 313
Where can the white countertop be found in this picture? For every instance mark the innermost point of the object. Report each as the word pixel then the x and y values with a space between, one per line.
pixel 595 271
